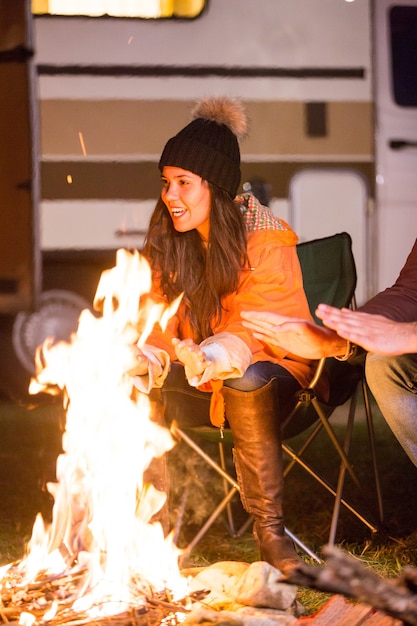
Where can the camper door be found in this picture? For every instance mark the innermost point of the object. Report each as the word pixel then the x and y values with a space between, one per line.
pixel 395 63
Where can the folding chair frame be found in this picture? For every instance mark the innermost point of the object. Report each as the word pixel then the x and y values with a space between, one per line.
pixel 308 395
pixel 231 489
pixel 315 256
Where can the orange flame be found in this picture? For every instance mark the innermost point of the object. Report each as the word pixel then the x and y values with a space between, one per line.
pixel 101 523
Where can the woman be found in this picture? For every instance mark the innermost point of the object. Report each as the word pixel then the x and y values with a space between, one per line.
pixel 225 255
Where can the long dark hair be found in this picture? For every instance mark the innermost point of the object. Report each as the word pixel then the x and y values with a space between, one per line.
pixel 205 274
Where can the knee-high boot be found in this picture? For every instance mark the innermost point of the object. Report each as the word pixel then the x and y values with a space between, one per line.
pixel 254 420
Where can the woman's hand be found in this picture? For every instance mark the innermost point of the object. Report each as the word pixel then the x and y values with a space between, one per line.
pixel 190 355
pixel 142 363
pixel 295 335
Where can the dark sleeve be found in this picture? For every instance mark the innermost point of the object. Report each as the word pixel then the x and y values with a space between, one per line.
pixel 398 302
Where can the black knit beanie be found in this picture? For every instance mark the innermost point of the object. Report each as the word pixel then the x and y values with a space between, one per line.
pixel 208 146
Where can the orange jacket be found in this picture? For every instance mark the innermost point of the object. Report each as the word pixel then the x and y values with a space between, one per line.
pixel 273 283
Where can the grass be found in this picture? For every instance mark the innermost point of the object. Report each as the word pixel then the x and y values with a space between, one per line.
pixel 30 440
pixel 308 506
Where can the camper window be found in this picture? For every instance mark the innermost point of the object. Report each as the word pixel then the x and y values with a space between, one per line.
pixel 403 27
pixel 115 8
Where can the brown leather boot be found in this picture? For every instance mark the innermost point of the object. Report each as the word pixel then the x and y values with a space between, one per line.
pixel 255 423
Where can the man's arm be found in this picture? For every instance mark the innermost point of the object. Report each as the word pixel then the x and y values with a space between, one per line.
pixel 398 302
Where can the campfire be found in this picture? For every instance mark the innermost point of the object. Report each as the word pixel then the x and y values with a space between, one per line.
pixel 103 559
pixel 101 555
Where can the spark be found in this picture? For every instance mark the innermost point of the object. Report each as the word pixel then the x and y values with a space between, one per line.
pixel 81 138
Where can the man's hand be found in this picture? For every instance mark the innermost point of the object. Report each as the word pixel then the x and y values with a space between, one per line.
pixel 295 335
pixel 190 355
pixel 375 333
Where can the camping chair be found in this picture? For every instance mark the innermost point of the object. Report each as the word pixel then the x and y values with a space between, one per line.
pixel 329 276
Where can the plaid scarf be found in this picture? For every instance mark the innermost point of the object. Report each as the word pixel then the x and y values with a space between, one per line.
pixel 257 216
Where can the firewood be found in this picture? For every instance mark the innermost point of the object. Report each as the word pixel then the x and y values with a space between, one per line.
pixel 346 575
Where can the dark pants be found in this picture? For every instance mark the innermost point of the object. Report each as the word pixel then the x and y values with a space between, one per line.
pixel 190 407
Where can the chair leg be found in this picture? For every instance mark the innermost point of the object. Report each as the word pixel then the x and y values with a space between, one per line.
pixel 336 442
pixel 344 466
pixel 291 453
pixel 323 423
pixel 295 457
pixel 303 546
pixel 231 492
pixel 372 446
pixel 342 471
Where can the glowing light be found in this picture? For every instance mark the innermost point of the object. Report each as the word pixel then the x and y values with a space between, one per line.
pixel 120 8
pixel 81 138
pixel 102 531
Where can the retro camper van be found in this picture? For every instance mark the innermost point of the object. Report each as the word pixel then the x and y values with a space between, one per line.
pixel 331 94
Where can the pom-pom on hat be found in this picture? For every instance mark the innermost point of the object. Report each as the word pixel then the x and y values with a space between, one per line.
pixel 209 145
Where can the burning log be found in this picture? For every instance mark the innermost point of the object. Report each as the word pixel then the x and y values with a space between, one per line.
pixel 346 575
pixel 51 599
pixel 228 592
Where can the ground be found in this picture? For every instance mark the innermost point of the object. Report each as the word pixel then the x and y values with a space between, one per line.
pixel 30 440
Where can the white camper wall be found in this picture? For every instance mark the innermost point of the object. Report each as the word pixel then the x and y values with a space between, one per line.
pixel 396 188
pixel 300 33
pixel 94 116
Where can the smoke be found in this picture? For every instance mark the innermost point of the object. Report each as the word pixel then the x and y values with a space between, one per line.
pixel 196 489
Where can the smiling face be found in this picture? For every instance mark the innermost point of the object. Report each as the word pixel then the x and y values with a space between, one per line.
pixel 187 198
